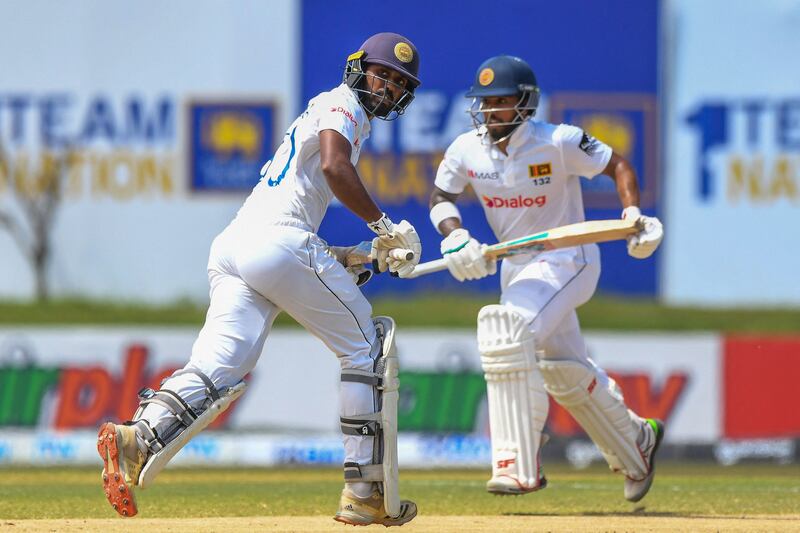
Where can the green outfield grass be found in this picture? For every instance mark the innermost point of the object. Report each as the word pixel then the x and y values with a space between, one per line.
pixel 428 311
pixel 679 491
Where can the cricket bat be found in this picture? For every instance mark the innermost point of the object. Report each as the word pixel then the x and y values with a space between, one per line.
pixel 562 237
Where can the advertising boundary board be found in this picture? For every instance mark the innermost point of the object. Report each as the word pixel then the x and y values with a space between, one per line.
pixel 72 379
pixel 415 450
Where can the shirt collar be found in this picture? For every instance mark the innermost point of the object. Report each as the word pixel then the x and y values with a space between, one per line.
pixel 521 135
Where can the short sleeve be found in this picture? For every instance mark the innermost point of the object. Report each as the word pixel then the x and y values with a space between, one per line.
pixel 583 154
pixel 451 176
pixel 336 115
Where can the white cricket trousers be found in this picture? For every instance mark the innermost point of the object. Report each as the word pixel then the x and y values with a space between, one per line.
pixel 255 273
pixel 546 290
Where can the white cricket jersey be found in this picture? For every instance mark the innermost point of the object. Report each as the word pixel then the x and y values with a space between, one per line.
pixel 292 186
pixel 536 186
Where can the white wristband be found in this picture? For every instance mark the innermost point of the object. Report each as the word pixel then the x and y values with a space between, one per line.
pixel 442 211
pixel 631 212
pixel 382 226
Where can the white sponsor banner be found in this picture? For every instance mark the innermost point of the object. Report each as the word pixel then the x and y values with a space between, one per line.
pixel 224 448
pixel 136 92
pixel 74 378
pixel 733 153
pixel 677 375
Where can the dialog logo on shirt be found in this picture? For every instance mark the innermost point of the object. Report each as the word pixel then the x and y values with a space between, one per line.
pixel 513 203
pixel 483 175
pixel 346 113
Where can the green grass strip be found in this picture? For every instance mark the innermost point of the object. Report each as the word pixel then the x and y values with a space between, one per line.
pixel 428 311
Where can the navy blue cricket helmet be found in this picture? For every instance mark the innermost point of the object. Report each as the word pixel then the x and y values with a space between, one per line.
pixel 390 50
pixel 504 76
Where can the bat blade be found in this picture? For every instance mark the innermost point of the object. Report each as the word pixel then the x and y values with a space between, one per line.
pixel 593 231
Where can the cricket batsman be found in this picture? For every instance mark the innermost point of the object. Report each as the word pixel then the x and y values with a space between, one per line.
pixel 527 175
pixel 270 259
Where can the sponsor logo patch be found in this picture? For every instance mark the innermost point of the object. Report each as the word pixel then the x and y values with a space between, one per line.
pixel 486 77
pixel 346 113
pixel 541 169
pixel 505 463
pixel 589 144
pixel 483 175
pixel 514 203
pixel 403 52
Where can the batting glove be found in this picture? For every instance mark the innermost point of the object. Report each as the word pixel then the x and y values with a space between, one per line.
pixel 357 271
pixel 394 236
pixel 643 244
pixel 464 256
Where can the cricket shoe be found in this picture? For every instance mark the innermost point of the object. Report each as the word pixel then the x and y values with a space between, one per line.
pixel 507 485
pixel 650 439
pixel 510 485
pixel 357 511
pixel 122 463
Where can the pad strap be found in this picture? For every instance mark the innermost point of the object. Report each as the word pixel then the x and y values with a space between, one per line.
pixel 148 436
pixel 354 473
pixel 363 426
pixel 170 401
pixel 184 414
pixel 211 390
pixel 362 376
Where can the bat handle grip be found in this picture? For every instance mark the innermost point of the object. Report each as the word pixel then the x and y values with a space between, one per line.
pixel 401 254
pixel 427 268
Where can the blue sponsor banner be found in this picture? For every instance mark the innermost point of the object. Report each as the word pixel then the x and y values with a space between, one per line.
pixel 55 448
pixel 572 53
pixel 309 452
pixel 5 451
pixel 627 122
pixel 229 142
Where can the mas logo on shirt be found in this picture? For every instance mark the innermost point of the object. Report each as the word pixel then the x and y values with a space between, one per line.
pixel 539 169
pixel 227 143
pixel 588 144
pixel 497 202
pixel 483 175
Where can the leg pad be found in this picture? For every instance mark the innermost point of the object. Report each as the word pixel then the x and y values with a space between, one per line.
pixel 596 403
pixel 517 400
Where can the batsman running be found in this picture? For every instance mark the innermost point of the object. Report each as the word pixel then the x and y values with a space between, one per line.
pixel 270 259
pixel 526 174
